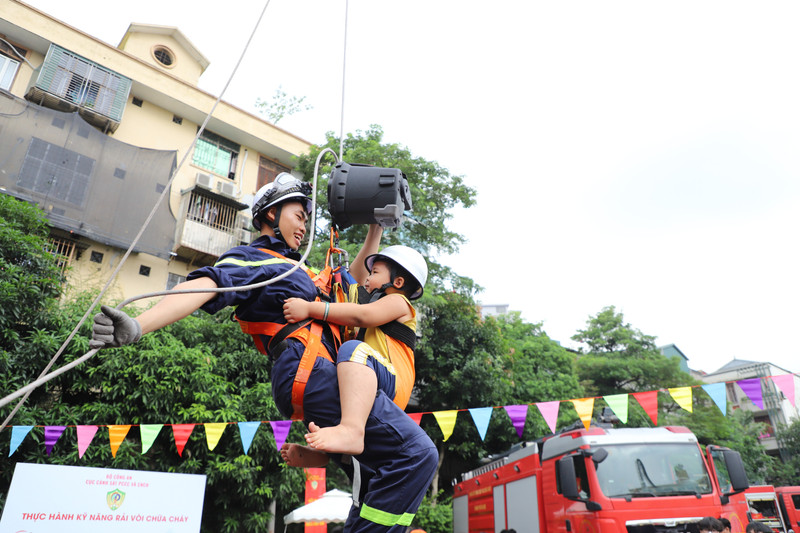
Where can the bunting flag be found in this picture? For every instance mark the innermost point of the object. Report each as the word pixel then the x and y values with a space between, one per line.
pixel 247 430
pixel 85 436
pixel 481 417
pixel 447 421
pixel 682 396
pixel 116 434
pixel 717 393
pixel 213 433
pixel 517 413
pixel 752 388
pixel 649 402
pixel 416 417
pixel 280 429
pixel 18 434
pixel 51 436
pixel 619 404
pixel 149 432
pixel 584 407
pixel 785 382
pixel 549 411
pixel 181 432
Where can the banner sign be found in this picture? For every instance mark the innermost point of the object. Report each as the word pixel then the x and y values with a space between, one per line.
pixel 67 499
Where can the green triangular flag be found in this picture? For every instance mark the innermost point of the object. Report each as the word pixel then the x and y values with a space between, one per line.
pixel 149 433
pixel 619 404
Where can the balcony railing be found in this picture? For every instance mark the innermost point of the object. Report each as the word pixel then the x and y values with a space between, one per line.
pixel 210 226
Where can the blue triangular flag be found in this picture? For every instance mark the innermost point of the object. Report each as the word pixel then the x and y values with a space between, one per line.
pixel 717 393
pixel 481 417
pixel 247 430
pixel 18 434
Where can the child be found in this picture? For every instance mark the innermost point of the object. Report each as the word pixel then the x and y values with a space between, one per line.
pixel 385 360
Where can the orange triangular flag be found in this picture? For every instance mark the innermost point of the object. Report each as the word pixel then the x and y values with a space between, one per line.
pixel 213 433
pixel 682 396
pixel 116 434
pixel 447 421
pixel 181 433
pixel 584 406
pixel 649 402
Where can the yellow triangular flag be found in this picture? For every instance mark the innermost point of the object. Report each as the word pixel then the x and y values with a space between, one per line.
pixel 584 406
pixel 116 434
pixel 447 421
pixel 213 433
pixel 682 396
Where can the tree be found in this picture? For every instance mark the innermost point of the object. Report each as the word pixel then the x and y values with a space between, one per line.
pixel 282 105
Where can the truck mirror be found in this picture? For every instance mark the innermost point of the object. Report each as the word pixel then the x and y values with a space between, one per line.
pixel 736 472
pixel 566 478
pixel 599 455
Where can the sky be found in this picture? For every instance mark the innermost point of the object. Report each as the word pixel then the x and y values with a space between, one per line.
pixel 642 155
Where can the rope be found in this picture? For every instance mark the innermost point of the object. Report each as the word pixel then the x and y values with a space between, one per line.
pixel 344 71
pixel 144 226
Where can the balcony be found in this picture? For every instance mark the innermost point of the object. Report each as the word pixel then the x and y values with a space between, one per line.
pixel 210 224
pixel 68 82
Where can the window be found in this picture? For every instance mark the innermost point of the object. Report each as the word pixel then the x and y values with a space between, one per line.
pixel 137 101
pixel 177 120
pixel 217 154
pixel 210 212
pixel 51 170
pixel 267 171
pixel 174 279
pixel 8 69
pixel 63 250
pixel 96 257
pixel 144 270
pixel 164 56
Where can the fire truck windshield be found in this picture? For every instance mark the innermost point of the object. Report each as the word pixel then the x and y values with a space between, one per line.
pixel 652 470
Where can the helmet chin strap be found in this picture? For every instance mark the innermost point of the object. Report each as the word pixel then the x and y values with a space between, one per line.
pixel 276 222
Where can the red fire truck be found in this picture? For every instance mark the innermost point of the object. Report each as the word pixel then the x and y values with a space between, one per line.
pixel 789 503
pixel 600 480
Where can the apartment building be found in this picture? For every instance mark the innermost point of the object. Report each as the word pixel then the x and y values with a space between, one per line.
pixel 92 133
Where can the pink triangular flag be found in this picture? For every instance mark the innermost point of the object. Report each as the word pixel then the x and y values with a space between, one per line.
pixel 584 407
pixel 549 411
pixel 752 388
pixel 416 417
pixel 649 402
pixel 518 413
pixel 51 436
pixel 785 383
pixel 280 428
pixel 85 436
pixel 181 432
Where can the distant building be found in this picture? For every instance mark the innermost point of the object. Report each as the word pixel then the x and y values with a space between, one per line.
pixel 493 310
pixel 92 133
pixel 670 350
pixel 778 409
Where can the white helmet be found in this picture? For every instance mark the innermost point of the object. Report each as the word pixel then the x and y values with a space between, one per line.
pixel 409 259
pixel 285 187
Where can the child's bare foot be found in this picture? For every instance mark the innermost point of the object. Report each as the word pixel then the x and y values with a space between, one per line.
pixel 303 456
pixel 336 439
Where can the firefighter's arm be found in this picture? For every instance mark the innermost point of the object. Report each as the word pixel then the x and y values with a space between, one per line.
pixel 174 307
pixel 390 307
pixel 371 243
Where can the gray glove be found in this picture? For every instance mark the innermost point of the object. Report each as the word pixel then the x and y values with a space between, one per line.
pixel 114 328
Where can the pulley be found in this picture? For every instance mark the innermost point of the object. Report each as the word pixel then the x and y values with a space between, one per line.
pixel 364 194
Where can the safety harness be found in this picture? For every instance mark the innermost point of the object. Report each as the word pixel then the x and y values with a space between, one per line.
pixel 309 332
pixel 395 329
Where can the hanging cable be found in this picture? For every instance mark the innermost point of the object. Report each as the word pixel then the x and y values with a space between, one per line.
pixel 344 77
pixel 146 222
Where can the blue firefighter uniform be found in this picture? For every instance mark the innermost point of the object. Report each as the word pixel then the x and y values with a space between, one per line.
pixel 401 457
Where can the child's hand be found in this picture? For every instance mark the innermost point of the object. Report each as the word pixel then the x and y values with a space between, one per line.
pixel 295 310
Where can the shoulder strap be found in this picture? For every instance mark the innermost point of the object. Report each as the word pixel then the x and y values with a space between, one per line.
pixel 401 332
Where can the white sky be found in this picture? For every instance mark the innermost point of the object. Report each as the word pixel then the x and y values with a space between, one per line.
pixel 636 154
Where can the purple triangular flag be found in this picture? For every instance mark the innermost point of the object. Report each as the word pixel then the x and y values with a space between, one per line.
pixel 51 436
pixel 517 414
pixel 752 388
pixel 280 428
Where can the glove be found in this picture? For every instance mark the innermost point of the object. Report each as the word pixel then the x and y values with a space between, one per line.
pixel 113 328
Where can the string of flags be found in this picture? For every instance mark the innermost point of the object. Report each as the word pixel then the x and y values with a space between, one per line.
pixel 446 420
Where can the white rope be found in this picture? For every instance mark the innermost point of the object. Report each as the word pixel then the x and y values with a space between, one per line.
pixel 144 226
pixel 344 78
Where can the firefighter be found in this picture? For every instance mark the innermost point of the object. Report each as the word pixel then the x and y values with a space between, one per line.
pixel 303 373
pixel 385 360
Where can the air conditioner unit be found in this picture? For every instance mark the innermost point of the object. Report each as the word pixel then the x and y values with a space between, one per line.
pixel 245 236
pixel 227 188
pixel 205 180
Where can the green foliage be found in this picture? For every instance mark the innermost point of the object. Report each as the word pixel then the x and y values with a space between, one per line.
pixel 282 105
pixel 435 515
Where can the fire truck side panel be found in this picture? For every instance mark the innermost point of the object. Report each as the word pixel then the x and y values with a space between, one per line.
pixel 522 501
pixel 789 498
